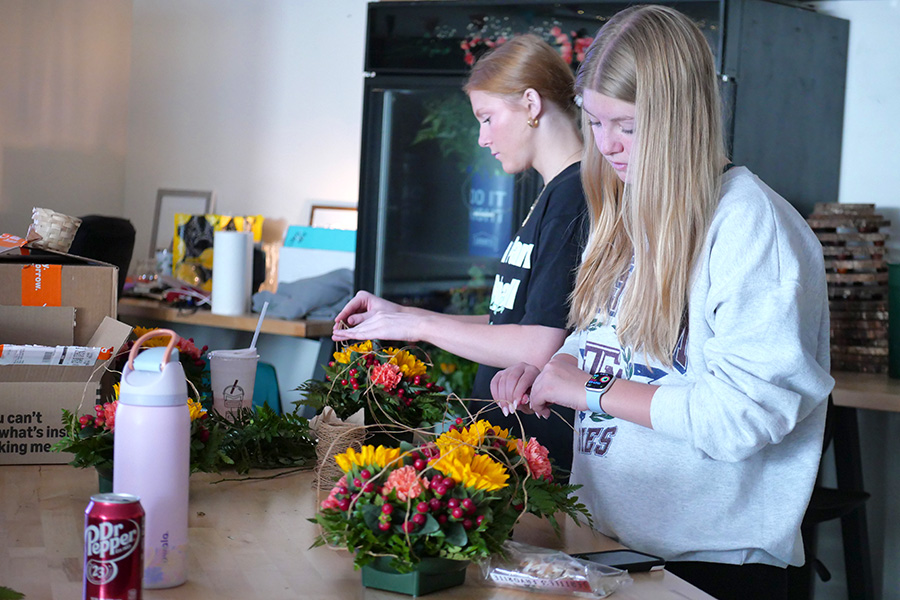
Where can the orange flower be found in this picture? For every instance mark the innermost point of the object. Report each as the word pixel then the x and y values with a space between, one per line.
pixel 536 457
pixel 387 375
pixel 406 482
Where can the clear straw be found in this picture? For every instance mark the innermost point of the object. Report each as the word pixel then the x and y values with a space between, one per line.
pixel 262 315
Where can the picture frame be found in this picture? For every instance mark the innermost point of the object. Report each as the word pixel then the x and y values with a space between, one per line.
pixel 170 202
pixel 333 217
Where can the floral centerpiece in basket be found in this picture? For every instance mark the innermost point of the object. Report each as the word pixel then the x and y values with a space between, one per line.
pixel 89 436
pixel 391 385
pixel 455 498
pixel 259 438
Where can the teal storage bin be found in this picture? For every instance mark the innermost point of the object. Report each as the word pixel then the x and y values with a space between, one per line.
pixel 265 390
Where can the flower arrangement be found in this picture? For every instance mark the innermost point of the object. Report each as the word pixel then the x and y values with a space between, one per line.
pixel 391 385
pixel 260 438
pixel 457 497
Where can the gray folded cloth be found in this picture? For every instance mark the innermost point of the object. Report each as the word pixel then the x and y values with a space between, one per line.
pixel 320 297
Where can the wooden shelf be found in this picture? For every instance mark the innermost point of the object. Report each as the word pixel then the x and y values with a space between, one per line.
pixel 138 308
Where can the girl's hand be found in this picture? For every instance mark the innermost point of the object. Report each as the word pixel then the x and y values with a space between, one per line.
pixel 560 382
pixel 361 307
pixel 510 388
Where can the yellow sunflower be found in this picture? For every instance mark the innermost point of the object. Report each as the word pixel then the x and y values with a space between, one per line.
pixel 362 348
pixel 409 365
pixel 195 408
pixel 478 471
pixel 368 456
pixel 474 436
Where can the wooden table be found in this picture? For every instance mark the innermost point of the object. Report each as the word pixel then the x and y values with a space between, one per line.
pixel 248 539
pixel 139 308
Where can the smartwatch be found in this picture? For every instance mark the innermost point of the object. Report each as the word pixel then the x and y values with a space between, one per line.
pixel 596 386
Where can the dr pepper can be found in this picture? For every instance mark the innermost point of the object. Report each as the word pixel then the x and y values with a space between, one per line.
pixel 113 547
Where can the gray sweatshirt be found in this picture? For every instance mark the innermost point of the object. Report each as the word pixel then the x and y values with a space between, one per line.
pixel 728 468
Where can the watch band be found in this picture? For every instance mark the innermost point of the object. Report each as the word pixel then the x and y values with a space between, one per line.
pixel 596 386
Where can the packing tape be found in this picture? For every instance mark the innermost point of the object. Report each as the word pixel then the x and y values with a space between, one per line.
pixel 42 285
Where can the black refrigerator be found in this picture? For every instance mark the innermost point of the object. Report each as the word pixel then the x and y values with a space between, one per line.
pixel 435 214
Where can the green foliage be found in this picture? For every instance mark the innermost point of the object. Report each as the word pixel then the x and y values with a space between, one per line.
pixel 263 439
pixel 92 446
pixel 8 594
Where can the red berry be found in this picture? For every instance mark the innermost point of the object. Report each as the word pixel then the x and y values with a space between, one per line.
pixel 420 464
pixel 442 519
pixel 449 482
pixel 453 502
pixel 417 380
pixel 459 421
pixel 387 509
pixel 467 503
pixel 344 382
pixel 384 525
pixel 357 482
pixel 457 513
pixel 422 507
pixel 365 473
pixel 353 372
pixel 331 363
pixel 441 489
pixel 467 524
pixel 369 488
pixel 419 519
pixel 479 519
pixel 409 527
pixel 344 505
pixel 341 490
pixel 435 504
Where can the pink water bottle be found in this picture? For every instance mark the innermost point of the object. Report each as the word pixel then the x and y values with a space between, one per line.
pixel 152 455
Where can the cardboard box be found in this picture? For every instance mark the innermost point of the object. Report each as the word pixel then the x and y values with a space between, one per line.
pixel 47 278
pixel 50 298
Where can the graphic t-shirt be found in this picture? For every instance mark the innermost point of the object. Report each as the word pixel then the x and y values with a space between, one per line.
pixel 532 286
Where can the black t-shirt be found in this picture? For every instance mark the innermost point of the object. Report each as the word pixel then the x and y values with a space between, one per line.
pixel 532 287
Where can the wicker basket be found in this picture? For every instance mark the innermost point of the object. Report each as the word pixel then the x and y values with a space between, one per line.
pixel 334 437
pixel 56 229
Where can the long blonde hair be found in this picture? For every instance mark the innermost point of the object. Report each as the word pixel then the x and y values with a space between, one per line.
pixel 657 59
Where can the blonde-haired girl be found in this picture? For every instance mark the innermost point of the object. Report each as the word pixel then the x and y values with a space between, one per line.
pixel 699 363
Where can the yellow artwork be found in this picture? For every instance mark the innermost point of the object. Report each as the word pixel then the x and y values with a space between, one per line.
pixel 192 252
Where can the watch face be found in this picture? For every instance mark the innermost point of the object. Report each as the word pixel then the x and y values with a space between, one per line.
pixel 599 382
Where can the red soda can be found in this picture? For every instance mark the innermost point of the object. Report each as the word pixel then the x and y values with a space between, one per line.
pixel 113 547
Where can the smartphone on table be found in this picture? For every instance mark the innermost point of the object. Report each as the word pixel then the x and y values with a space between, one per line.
pixel 627 560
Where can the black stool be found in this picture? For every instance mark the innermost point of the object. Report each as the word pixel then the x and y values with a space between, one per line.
pixel 846 502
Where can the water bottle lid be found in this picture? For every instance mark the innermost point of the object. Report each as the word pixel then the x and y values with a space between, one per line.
pixel 155 377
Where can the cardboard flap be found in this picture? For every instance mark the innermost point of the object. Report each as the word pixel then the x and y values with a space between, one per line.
pixel 38 325
pixel 111 333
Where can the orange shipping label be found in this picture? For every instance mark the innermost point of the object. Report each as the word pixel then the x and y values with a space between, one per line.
pixel 42 285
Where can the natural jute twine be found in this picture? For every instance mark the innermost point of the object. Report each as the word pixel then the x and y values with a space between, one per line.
pixel 334 437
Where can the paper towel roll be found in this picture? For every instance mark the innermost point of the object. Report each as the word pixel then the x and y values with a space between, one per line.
pixel 232 272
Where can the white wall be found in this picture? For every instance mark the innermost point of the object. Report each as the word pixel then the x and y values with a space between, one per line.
pixel 64 69
pixel 260 102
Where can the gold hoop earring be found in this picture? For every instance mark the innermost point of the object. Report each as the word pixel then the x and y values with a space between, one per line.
pixel 532 122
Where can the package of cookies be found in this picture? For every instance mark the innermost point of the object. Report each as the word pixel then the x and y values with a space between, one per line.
pixel 551 571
